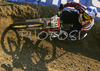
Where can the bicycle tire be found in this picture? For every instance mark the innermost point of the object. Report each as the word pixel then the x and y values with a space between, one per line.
pixel 23 25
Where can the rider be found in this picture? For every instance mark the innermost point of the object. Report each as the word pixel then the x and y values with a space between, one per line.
pixel 83 18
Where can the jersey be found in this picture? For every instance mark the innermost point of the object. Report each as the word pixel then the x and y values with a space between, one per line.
pixel 86 26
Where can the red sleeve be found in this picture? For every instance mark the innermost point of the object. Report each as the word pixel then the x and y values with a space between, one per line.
pixel 69 4
pixel 77 6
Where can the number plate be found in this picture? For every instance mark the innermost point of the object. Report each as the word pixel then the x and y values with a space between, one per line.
pixel 55 21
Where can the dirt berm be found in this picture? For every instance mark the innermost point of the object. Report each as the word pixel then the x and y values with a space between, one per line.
pixel 35 55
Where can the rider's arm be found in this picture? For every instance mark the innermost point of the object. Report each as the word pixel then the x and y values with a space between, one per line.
pixel 77 6
pixel 87 26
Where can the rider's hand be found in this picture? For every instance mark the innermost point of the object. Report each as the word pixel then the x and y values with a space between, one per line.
pixel 61 6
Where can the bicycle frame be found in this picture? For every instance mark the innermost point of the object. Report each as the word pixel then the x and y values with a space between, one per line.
pixel 50 24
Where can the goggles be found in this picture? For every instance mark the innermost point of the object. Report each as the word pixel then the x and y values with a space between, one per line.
pixel 86 16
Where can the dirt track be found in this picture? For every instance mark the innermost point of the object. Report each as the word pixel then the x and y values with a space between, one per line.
pixel 34 55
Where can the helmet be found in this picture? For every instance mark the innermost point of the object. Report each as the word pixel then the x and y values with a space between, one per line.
pixel 90 13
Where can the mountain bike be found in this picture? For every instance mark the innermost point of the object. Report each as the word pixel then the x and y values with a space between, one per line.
pixel 47 25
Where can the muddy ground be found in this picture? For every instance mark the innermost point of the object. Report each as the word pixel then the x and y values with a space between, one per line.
pixel 35 55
